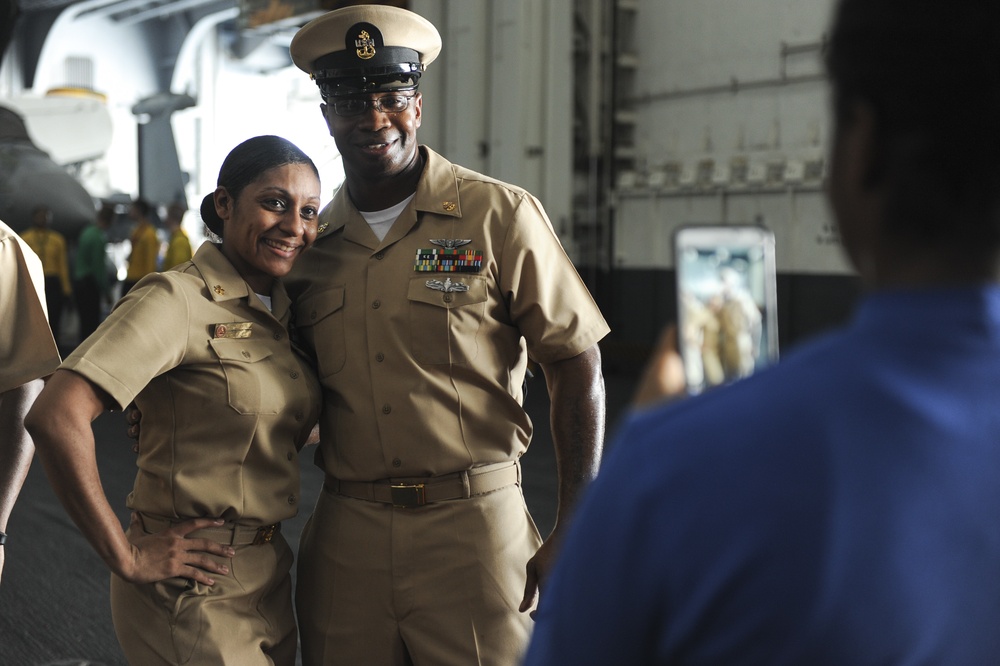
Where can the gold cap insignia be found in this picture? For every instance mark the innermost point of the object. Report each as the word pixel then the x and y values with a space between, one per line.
pixel 219 290
pixel 365 45
pixel 449 205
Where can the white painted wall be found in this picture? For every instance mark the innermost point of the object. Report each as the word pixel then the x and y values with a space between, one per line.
pixel 499 97
pixel 688 45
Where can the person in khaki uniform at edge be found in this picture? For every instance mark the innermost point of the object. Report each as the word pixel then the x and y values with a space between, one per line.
pixel 423 299
pixel 28 353
pixel 203 574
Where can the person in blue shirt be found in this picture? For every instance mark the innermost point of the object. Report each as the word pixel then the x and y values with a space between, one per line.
pixel 842 506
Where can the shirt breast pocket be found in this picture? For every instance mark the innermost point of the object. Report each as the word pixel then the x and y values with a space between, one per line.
pixel 248 371
pixel 445 321
pixel 320 319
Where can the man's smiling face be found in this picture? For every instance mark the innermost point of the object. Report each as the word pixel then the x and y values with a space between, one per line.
pixel 375 144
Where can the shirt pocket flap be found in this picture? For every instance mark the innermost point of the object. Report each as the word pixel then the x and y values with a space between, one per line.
pixel 319 305
pixel 243 351
pixel 448 293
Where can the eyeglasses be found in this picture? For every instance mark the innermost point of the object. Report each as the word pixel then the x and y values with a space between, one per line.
pixel 348 107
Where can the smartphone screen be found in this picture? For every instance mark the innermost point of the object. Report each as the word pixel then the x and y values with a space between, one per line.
pixel 726 302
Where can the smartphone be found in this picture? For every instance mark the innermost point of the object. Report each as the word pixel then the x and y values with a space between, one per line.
pixel 727 325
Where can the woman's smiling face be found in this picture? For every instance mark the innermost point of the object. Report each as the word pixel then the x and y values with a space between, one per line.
pixel 270 223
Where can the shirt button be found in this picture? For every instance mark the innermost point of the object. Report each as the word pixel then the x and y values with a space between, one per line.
pixel 396 462
pixel 277 336
pixel 293 374
pixel 447 298
pixel 380 255
pixel 299 416
pixel 380 357
pixel 291 499
pixel 376 304
pixel 386 408
pixel 290 455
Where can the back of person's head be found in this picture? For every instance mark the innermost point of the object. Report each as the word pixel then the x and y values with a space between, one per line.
pixel 175 214
pixel 41 216
pixel 105 215
pixel 930 71
pixel 140 209
pixel 245 164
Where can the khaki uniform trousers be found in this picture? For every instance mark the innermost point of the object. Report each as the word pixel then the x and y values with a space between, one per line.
pixel 438 584
pixel 245 619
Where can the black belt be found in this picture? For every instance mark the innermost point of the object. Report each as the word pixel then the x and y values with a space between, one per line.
pixel 233 534
pixel 409 493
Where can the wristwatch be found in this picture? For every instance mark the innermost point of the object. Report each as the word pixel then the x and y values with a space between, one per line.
pixel 3 538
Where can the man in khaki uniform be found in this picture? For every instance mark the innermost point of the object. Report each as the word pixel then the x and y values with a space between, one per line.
pixel 423 300
pixel 28 353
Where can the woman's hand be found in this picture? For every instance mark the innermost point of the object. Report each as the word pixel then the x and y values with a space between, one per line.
pixel 171 554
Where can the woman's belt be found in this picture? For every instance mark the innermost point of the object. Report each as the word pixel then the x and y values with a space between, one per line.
pixel 233 534
pixel 409 493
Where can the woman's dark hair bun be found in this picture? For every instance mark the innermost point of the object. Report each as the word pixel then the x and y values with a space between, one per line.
pixel 209 215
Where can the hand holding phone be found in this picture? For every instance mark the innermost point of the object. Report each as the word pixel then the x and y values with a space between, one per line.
pixel 726 302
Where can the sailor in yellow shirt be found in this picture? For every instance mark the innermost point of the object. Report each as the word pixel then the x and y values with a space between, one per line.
pixel 145 246
pixel 50 246
pixel 179 247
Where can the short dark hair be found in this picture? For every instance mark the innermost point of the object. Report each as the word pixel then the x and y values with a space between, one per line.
pixel 245 164
pixel 930 70
pixel 142 206
pixel 106 213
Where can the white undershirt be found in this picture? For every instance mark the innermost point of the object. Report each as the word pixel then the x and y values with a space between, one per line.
pixel 266 300
pixel 381 221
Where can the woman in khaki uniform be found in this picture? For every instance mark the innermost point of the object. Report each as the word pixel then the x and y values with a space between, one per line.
pixel 203 574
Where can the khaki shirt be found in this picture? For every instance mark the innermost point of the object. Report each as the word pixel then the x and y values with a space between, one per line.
pixel 422 381
pixel 27 349
pixel 222 415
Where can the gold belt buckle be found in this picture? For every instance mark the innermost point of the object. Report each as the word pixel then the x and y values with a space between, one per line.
pixel 407 496
pixel 265 534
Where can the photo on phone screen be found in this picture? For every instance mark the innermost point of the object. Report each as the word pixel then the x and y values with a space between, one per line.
pixel 726 302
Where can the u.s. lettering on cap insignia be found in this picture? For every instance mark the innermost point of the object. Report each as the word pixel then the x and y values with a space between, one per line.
pixel 233 329
pixel 448 258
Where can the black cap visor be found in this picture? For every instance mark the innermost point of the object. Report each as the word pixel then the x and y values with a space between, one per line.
pixel 360 85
